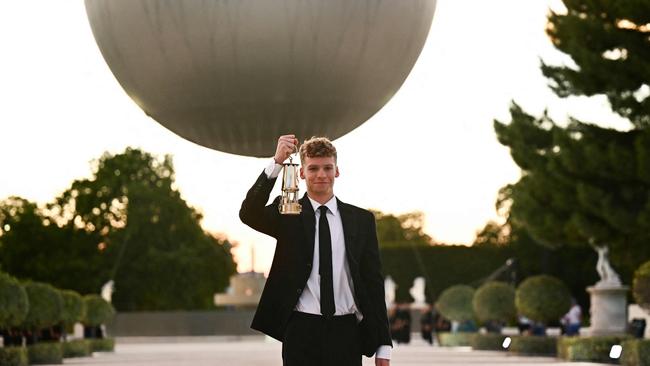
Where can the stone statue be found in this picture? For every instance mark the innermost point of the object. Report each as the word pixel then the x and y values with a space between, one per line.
pixel 417 292
pixel 389 289
pixel 608 277
pixel 107 290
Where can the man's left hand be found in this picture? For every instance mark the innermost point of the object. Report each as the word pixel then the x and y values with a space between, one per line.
pixel 382 362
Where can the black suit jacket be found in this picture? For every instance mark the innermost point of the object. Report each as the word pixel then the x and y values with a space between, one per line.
pixel 293 258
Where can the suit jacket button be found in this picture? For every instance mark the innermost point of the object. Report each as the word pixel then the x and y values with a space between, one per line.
pixel 299 291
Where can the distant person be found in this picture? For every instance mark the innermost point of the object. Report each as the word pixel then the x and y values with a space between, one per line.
pixel 427 320
pixel 324 296
pixel 572 319
pixel 442 325
pixel 402 324
pixel 524 325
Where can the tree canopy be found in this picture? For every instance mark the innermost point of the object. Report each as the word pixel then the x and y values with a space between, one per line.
pixel 582 183
pixel 400 230
pixel 127 222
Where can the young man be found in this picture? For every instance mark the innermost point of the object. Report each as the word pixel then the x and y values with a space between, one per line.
pixel 324 297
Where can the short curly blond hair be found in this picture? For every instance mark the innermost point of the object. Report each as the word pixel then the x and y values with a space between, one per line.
pixel 317 147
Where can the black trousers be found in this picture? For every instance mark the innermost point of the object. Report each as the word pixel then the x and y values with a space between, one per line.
pixel 312 340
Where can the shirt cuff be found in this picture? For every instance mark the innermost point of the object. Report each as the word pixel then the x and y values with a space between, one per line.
pixel 384 352
pixel 273 169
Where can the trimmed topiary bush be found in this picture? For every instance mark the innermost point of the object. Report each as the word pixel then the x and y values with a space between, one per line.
pixel 13 356
pixel 494 301
pixel 74 308
pixel 488 342
pixel 102 345
pixel 45 306
pixel 98 310
pixel 542 298
pixel 455 303
pixel 14 304
pixel 636 352
pixel 45 353
pixel 593 349
pixel 77 348
pixel 533 346
pixel 641 286
pixel 459 339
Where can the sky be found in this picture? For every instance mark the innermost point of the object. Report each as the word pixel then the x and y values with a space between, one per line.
pixel 432 148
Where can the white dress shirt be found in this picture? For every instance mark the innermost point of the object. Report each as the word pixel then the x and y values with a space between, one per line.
pixel 309 301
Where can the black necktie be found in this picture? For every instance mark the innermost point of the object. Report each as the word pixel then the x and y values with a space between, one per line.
pixel 325 265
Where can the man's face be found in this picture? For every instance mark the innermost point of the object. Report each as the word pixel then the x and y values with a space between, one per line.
pixel 319 174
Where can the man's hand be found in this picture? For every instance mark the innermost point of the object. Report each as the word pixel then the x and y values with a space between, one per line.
pixel 382 362
pixel 287 145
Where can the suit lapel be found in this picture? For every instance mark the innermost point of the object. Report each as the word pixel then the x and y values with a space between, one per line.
pixel 349 231
pixel 308 226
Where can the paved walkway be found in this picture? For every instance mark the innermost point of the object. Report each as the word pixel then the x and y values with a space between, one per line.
pixel 256 351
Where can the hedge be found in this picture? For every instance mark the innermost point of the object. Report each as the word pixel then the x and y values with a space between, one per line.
pixel 459 339
pixel 14 303
pixel 455 303
pixel 494 301
pixel 102 345
pixel 45 353
pixel 13 356
pixel 77 348
pixel 636 352
pixel 488 342
pixel 446 265
pixel 591 349
pixel 542 298
pixel 533 345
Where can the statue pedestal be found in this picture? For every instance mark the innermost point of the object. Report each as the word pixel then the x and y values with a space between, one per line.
pixel 608 309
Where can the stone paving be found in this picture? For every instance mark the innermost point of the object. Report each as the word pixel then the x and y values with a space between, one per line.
pixel 250 351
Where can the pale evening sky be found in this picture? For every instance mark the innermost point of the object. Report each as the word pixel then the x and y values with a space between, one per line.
pixel 431 148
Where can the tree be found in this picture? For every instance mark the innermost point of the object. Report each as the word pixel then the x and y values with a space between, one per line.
pixel 128 223
pixel 33 247
pixel 159 256
pixel 405 229
pixel 581 182
pixel 608 42
pixel 641 286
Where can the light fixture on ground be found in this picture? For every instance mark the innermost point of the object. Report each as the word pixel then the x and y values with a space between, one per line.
pixel 506 342
pixel 615 351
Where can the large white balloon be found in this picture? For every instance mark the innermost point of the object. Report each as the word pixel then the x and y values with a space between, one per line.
pixel 233 75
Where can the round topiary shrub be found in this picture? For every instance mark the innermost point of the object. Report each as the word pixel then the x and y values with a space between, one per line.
pixel 542 298
pixel 98 310
pixel 14 303
pixel 641 286
pixel 45 306
pixel 455 303
pixel 74 308
pixel 494 301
